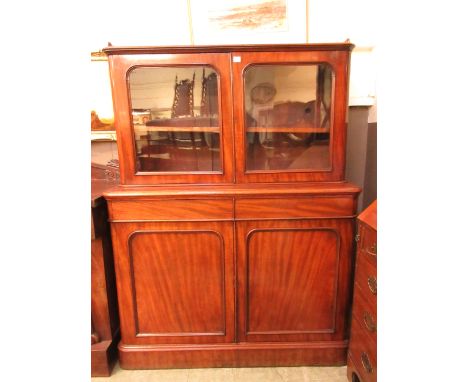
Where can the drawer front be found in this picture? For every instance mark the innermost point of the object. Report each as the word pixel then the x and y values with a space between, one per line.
pixel 363 352
pixel 284 208
pixel 368 247
pixel 171 210
pixel 356 372
pixel 366 279
pixel 365 313
pixel 352 371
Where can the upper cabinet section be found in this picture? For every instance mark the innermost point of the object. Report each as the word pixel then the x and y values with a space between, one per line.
pixel 230 114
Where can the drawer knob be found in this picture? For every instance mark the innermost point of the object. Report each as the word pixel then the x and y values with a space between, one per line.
pixel 372 250
pixel 366 363
pixel 372 283
pixel 369 322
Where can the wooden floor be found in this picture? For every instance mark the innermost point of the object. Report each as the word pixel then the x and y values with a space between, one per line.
pixel 261 374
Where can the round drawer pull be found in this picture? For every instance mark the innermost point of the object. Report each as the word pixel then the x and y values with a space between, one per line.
pixel 372 283
pixel 369 322
pixel 366 363
pixel 372 250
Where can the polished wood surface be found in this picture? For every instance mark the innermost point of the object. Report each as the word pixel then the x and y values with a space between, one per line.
pixel 275 264
pixel 293 279
pixel 175 282
pixel 363 352
pixel 326 353
pixel 369 216
pixel 366 278
pixel 179 209
pixel 273 305
pixel 234 190
pixel 235 267
pixel 307 207
pixel 104 314
pixel 181 300
pixel 365 313
pixel 352 372
pixel 362 357
pixel 116 50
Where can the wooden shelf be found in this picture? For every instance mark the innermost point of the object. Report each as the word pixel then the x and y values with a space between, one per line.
pixel 105 135
pixel 287 129
pixel 190 129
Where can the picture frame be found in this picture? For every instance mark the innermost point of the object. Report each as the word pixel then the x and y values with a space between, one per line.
pixel 248 22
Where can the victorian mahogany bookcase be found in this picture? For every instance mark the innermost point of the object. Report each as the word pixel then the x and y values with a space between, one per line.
pixel 233 225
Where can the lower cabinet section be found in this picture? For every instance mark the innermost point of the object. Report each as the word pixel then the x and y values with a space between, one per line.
pixel 224 293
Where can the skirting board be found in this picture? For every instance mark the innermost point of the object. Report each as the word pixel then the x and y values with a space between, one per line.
pixel 233 355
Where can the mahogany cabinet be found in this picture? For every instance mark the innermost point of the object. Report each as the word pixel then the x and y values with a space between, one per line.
pixel 233 225
pixel 362 357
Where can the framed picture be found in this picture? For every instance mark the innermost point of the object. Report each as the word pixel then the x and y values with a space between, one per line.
pixel 248 21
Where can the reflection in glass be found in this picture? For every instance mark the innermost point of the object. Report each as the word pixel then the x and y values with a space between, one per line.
pixel 287 117
pixel 175 118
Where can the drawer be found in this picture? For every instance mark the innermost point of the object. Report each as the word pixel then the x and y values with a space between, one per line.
pixel 171 210
pixel 363 352
pixel 352 371
pixel 368 246
pixel 366 278
pixel 284 208
pixel 357 373
pixel 365 313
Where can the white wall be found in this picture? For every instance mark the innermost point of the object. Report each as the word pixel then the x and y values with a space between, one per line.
pixel 143 22
pixel 339 20
pixel 140 22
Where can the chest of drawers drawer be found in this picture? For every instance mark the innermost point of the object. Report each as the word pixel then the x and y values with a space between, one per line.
pixel 366 278
pixel 367 247
pixel 365 314
pixel 363 353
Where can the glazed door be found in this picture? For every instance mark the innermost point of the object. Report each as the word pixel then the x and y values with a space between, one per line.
pixel 293 279
pixel 290 115
pixel 173 118
pixel 175 282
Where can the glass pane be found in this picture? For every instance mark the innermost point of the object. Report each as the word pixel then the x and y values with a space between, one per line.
pixel 287 117
pixel 175 119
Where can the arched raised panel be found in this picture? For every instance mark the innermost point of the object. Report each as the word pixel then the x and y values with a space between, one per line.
pixel 172 296
pixel 291 279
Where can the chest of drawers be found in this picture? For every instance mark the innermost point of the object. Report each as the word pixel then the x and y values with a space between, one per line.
pixel 362 355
